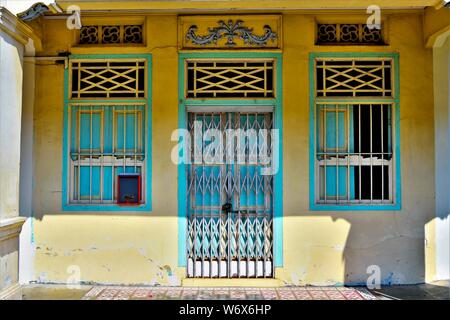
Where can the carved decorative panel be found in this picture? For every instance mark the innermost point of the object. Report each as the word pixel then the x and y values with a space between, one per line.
pixel 348 34
pixel 132 34
pixel 111 34
pixel 89 35
pixel 230 32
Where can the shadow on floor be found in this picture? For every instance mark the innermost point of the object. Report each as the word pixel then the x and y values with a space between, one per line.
pixel 435 291
pixel 53 292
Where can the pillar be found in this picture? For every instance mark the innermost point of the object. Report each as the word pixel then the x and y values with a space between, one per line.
pixel 13 37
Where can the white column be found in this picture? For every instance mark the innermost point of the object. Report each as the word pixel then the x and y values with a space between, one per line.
pixel 12 41
pixel 441 61
pixel 27 246
pixel 11 53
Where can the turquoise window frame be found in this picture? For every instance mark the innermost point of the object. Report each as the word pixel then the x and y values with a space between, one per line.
pixel 396 114
pixel 278 124
pixel 147 206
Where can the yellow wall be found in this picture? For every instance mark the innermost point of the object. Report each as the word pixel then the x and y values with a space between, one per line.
pixel 319 247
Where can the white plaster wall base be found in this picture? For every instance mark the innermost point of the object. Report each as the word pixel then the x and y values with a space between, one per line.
pixel 9 258
pixel 27 253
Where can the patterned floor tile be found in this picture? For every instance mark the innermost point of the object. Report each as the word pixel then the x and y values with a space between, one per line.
pixel 142 293
pixel 189 294
pixel 237 294
pixel 352 295
pixel 335 295
pixel 318 294
pixel 221 293
pixel 302 295
pixel 173 293
pixel 269 294
pixel 286 294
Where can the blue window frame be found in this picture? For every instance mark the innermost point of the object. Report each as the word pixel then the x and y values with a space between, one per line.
pixel 107 131
pixel 354 132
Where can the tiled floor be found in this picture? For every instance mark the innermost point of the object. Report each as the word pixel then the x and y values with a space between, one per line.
pixel 200 293
pixel 434 291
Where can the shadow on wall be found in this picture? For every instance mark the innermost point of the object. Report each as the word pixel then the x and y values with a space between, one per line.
pixel 389 243
pixel 385 247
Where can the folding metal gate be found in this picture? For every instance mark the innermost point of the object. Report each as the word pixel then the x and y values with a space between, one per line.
pixel 230 198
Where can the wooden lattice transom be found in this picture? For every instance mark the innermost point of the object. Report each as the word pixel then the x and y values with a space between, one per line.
pixel 108 79
pixel 354 78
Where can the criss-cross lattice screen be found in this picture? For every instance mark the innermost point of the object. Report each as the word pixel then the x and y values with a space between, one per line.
pixel 230 79
pixel 108 79
pixel 354 78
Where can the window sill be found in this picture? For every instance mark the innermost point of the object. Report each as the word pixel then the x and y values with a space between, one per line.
pixel 355 207
pixel 107 207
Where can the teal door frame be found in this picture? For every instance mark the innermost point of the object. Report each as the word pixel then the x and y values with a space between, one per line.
pixel 210 103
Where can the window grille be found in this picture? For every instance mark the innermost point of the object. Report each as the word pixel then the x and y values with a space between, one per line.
pixel 105 141
pixel 348 34
pixel 354 78
pixel 111 34
pixel 236 242
pixel 354 153
pixel 106 135
pixel 230 79
pixel 108 79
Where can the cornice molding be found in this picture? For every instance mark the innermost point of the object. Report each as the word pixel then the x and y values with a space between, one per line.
pixel 34 12
pixel 14 27
pixel 10 228
pixel 199 5
pixel 436 26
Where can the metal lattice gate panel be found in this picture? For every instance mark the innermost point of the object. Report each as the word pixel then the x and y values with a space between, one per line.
pixel 230 200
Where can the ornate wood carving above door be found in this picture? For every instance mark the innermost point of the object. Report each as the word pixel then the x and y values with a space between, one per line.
pixel 230 32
